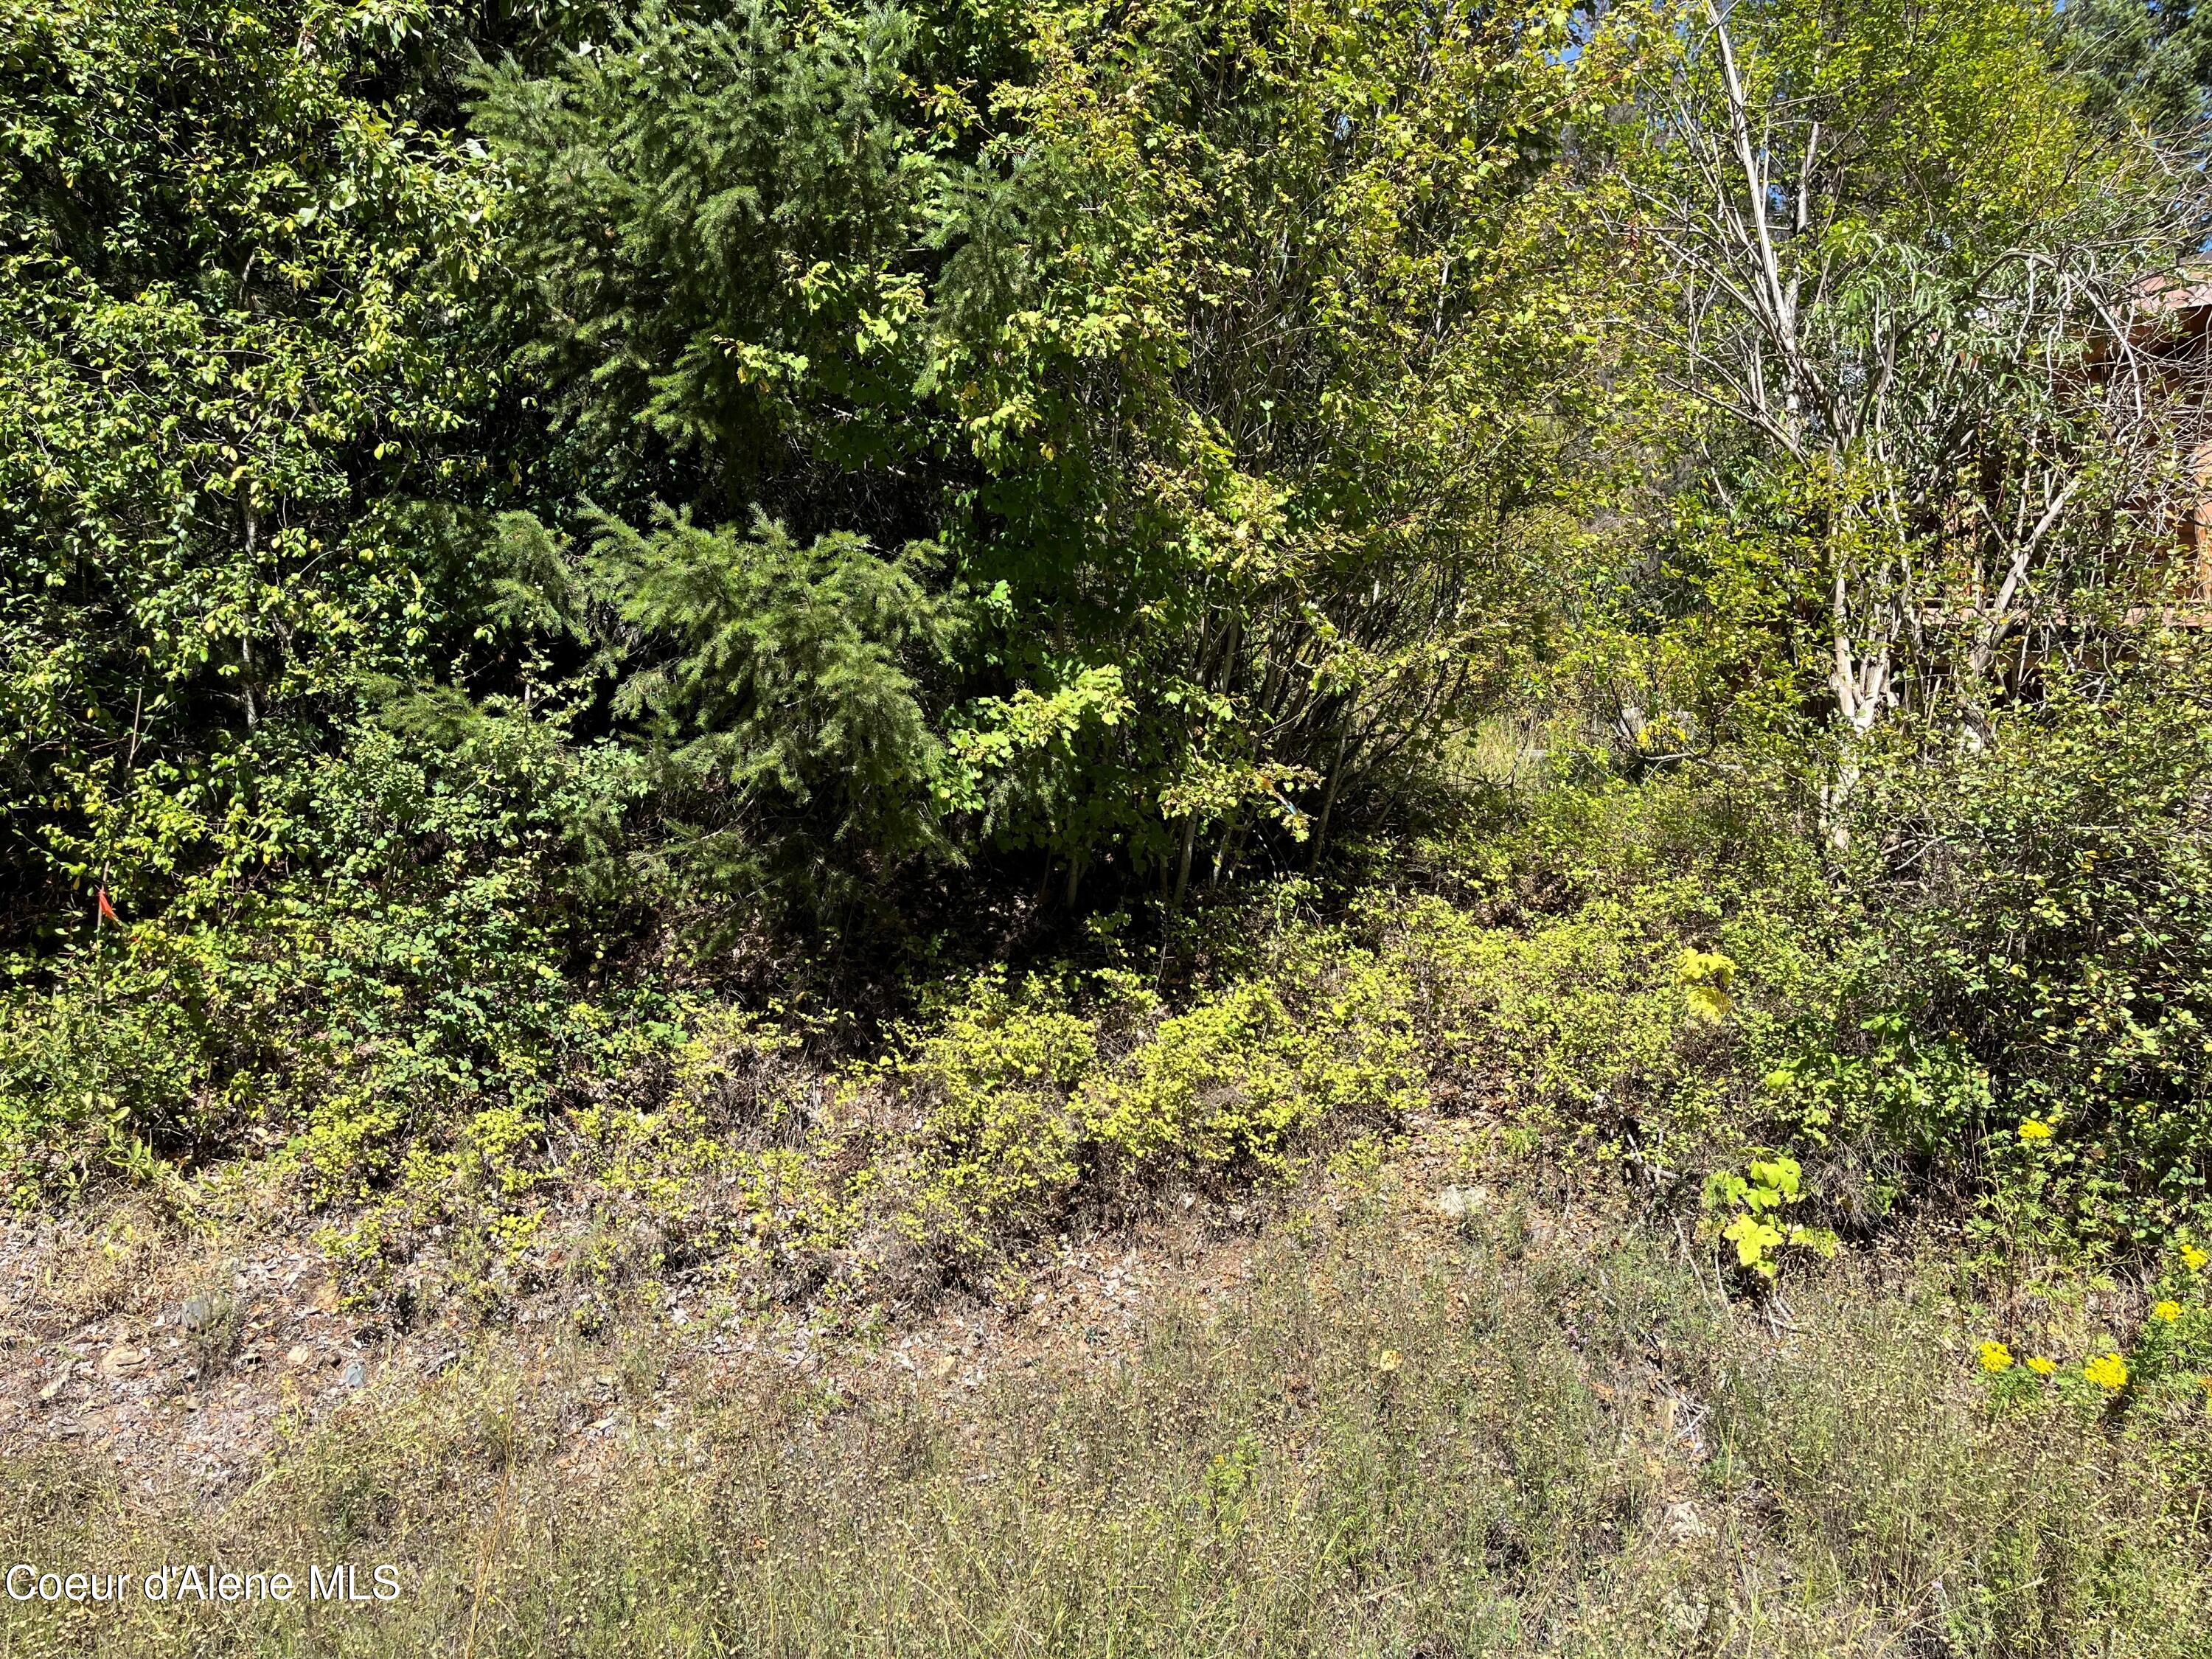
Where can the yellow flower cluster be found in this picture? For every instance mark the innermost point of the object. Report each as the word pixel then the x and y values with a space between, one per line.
pixel 2194 1259
pixel 2035 1128
pixel 2108 1371
pixel 2168 1311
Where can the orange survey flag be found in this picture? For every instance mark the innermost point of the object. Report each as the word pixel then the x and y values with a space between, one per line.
pixel 108 910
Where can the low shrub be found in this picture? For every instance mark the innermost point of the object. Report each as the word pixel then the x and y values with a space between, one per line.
pixel 998 1143
pixel 1588 1030
pixel 1242 1081
pixel 1978 981
pixel 1021 1102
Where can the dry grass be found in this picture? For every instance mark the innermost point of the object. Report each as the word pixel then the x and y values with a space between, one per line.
pixel 1535 1433
pixel 104 1259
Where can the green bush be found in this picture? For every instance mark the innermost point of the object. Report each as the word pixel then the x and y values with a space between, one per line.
pixel 1247 1079
pixel 2022 1005
pixel 419 949
pixel 1586 1029
pixel 1015 1103
pixel 997 1140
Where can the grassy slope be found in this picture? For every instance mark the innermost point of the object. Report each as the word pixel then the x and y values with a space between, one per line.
pixel 1361 1429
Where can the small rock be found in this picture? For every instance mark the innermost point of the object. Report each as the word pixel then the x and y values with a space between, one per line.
pixel 121 1359
pixel 1686 1524
pixel 355 1375
pixel 56 1383
pixel 1462 1203
pixel 300 1354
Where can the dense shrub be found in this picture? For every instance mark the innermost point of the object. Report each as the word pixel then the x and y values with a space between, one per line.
pixel 998 1141
pixel 2033 980
pixel 1022 1106
pixel 424 952
pixel 234 357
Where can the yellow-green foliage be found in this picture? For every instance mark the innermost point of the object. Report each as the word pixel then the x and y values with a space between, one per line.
pixel 994 1135
pixel 1746 1209
pixel 1589 1020
pixel 1244 1078
pixel 1016 1097
pixel 1010 1103
pixel 734 1149
pixel 724 1159
pixel 1226 1077
pixel 1005 1105
pixel 1707 978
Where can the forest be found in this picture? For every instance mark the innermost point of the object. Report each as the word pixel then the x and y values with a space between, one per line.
pixel 1292 827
